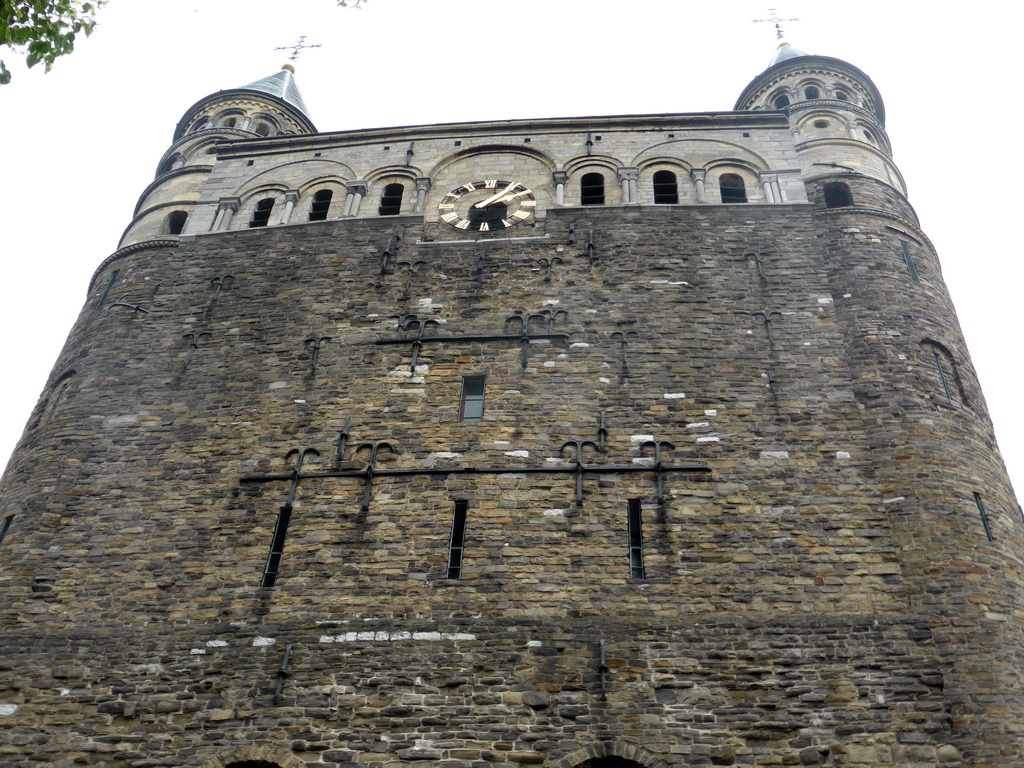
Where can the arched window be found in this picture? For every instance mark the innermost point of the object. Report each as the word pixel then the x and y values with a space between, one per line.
pixel 167 165
pixel 812 92
pixel 592 189
pixel 200 124
pixel 321 205
pixel 261 214
pixel 176 222
pixel 837 195
pixel 229 122
pixel 780 101
pixel 261 129
pixel 733 188
pixel 842 96
pixel 391 200
pixel 665 190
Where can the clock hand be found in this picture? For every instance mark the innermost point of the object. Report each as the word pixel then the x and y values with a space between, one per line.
pixel 496 197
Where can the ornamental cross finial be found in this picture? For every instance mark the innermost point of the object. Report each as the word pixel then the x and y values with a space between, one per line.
pixel 776 21
pixel 296 48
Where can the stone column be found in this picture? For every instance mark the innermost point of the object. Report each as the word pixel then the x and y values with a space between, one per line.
pixel 698 175
pixel 356 191
pixel 796 136
pixel 422 185
pixel 628 177
pixel 245 123
pixel 770 184
pixel 225 210
pixel 559 177
pixel 291 196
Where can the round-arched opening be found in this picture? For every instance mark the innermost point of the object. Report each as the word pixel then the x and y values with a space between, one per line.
pixel 176 222
pixel 812 92
pixel 261 214
pixel 732 188
pixel 391 200
pixel 321 205
pixel 610 761
pixel 780 101
pixel 666 191
pixel 592 189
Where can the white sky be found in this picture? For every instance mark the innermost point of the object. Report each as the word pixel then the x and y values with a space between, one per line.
pixel 78 145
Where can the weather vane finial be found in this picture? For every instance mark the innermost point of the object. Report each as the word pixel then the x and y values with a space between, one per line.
pixel 296 48
pixel 776 21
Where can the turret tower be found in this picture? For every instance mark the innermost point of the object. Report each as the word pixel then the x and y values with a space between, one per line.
pixel 269 107
pixel 837 121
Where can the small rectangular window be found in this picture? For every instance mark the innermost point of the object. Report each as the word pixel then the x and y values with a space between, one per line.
pixel 458 540
pixel 909 258
pixel 471 406
pixel 636 541
pixel 984 517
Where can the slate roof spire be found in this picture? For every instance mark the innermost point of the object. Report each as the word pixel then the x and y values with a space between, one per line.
pixel 785 52
pixel 282 85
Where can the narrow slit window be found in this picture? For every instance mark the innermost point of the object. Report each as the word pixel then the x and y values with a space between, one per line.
pixel 665 190
pixel 733 189
pixel 592 189
pixel 909 258
pixel 62 391
pixel 5 526
pixel 106 291
pixel 942 375
pixel 273 567
pixel 984 517
pixel 391 200
pixel 471 406
pixel 321 205
pixel 457 543
pixel 636 541
pixel 261 214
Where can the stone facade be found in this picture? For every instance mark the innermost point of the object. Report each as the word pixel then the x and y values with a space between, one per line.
pixel 828 567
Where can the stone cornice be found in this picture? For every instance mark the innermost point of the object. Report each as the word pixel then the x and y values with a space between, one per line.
pixel 120 253
pixel 500 129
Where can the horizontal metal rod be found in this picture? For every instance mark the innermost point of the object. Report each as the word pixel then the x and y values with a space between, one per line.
pixel 568 469
pixel 496 337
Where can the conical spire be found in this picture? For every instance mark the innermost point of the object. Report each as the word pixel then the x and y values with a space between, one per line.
pixel 785 52
pixel 282 85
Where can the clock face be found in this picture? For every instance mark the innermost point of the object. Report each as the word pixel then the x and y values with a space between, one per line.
pixel 487 206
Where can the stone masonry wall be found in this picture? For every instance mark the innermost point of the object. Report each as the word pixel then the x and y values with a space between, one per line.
pixel 786 616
